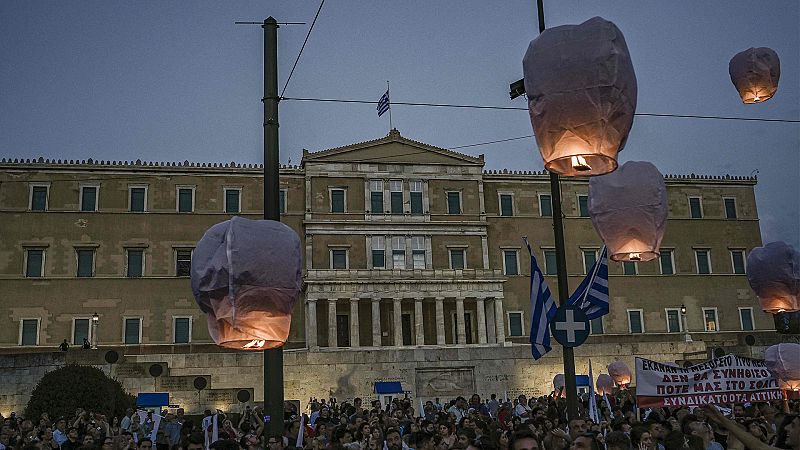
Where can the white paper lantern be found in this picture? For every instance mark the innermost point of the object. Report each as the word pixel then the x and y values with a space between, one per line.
pixel 783 360
pixel 246 276
pixel 629 211
pixel 581 91
pixel 755 73
pixel 605 384
pixel 620 373
pixel 773 272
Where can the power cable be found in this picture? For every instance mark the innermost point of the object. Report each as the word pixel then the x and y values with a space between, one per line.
pixel 303 47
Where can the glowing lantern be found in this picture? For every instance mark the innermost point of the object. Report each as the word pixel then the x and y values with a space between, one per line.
pixel 774 274
pixel 581 91
pixel 246 277
pixel 783 360
pixel 755 73
pixel 620 373
pixel 605 384
pixel 558 385
pixel 629 210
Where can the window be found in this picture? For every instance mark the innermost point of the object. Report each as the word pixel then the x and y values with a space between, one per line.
pixel 39 197
pixel 398 252
pixel 133 330
pixel 550 262
pixel 457 260
pixel 506 205
pixel 515 323
pixel 137 198
pixel 703 260
pixel 29 332
pixel 589 258
pixel 635 324
pixel 583 205
pixel 710 319
pixel 405 328
pixel 396 196
pixel 342 330
pixel 510 262
pixel 673 320
pixel 339 258
pixel 282 201
pixel 134 267
pixel 376 196
pixel 80 331
pixel 666 262
pixel 182 330
pixel 233 200
pixel 337 200
pixel 85 262
pixel 738 261
pixel 378 252
pixel 454 203
pixel 596 325
pixel 185 199
pixel 88 201
pixel 730 207
pixel 183 262
pixel 415 186
pixel 629 268
pixel 695 207
pixel 34 262
pixel 746 319
pixel 418 252
pixel 545 205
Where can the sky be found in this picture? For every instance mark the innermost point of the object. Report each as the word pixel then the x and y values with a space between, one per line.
pixel 171 80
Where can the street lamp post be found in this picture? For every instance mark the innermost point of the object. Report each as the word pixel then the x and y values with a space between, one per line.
pixel 686 334
pixel 95 320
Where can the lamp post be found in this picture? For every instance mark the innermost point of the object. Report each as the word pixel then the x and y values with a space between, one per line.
pixel 95 320
pixel 686 334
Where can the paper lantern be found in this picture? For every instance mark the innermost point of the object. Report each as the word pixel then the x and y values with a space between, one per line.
pixel 605 384
pixel 581 91
pixel 559 384
pixel 246 277
pixel 783 360
pixel 774 274
pixel 629 210
pixel 620 373
pixel 755 73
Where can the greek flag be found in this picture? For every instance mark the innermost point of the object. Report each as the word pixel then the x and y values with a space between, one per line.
pixel 594 413
pixel 592 294
pixel 383 103
pixel 543 309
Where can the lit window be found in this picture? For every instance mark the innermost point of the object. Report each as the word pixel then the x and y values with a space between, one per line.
pixel 710 319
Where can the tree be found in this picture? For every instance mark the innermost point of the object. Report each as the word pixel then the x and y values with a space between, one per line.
pixel 64 390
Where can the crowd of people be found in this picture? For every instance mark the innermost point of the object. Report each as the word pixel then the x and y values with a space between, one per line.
pixel 474 424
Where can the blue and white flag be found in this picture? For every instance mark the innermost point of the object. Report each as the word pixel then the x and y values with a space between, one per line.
pixel 383 103
pixel 543 309
pixel 592 294
pixel 594 413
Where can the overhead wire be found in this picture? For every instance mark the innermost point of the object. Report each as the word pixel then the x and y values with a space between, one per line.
pixel 302 47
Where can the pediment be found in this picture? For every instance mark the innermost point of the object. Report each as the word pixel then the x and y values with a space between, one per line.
pixel 392 149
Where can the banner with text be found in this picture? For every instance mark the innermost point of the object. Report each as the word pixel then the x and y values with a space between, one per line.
pixel 730 379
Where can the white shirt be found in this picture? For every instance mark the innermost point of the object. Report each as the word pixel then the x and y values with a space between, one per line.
pixel 521 410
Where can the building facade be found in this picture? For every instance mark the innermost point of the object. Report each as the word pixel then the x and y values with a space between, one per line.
pixel 408 247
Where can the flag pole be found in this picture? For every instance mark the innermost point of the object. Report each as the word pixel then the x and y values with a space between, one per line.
pixel 390 105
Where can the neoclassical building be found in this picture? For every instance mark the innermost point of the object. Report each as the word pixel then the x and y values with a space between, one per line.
pixel 414 263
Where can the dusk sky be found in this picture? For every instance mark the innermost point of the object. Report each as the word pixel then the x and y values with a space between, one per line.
pixel 175 81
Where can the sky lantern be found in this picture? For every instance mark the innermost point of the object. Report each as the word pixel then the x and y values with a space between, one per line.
pixel 605 384
pixel 629 210
pixel 246 277
pixel 755 73
pixel 558 385
pixel 783 360
pixel 774 274
pixel 620 373
pixel 581 91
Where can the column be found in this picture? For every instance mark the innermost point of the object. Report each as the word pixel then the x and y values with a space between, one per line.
pixel 354 341
pixel 376 322
pixel 332 322
pixel 418 324
pixel 311 323
pixel 398 323
pixel 460 331
pixel 479 304
pixel 499 320
pixel 440 321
